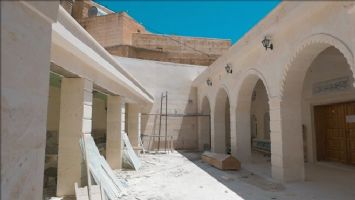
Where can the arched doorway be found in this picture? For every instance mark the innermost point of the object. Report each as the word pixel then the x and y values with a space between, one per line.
pixel 252 125
pixel 205 126
pixel 319 76
pixel 328 94
pixel 221 137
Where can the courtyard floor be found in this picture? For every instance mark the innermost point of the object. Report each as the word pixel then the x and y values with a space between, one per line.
pixel 183 176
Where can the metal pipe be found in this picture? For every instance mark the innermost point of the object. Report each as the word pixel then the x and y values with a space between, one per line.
pixel 161 108
pixel 166 118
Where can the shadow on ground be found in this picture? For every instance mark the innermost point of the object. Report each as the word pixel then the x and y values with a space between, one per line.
pixel 237 181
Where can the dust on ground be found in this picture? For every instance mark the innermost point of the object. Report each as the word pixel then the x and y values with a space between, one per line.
pixel 176 176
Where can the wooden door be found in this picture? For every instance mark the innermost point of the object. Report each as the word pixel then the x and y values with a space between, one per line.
pixel 335 133
pixel 350 125
pixel 320 120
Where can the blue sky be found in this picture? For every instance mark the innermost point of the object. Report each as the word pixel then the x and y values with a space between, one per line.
pixel 213 19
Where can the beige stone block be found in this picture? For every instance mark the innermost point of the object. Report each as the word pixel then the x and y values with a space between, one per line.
pixel 277 172
pixel 87 111
pixel 72 125
pixel 88 98
pixel 87 126
pixel 114 130
pixel 25 61
pixel 133 126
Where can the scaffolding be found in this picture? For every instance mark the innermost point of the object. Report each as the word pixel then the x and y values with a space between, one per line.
pixel 155 140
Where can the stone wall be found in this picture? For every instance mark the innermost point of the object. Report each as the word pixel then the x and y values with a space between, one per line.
pixel 177 49
pixel 80 8
pixel 260 108
pixel 181 44
pixel 112 29
pixel 176 79
pixel 121 35
pixel 26 28
pixel 165 56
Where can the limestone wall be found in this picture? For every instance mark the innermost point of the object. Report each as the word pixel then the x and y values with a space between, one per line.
pixel 121 35
pixel 159 55
pixel 53 109
pixel 160 77
pixel 112 29
pixel 260 107
pixel 25 39
pixel 181 44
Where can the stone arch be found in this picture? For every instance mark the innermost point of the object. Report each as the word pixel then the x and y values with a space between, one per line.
pixel 221 122
pixel 290 116
pixel 204 122
pixel 203 97
pixel 306 53
pixel 243 112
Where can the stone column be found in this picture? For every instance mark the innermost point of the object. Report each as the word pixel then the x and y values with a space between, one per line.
pixel 204 132
pixel 133 125
pixel 286 143
pixel 113 133
pixel 243 132
pixel 233 131
pixel 75 119
pixel 25 26
pixel 213 132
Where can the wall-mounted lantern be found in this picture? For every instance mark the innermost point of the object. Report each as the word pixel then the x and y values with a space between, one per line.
pixel 228 68
pixel 209 82
pixel 267 43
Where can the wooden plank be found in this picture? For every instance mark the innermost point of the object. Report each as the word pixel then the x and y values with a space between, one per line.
pixel 221 161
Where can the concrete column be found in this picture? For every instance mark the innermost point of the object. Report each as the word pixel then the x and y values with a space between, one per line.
pixel 286 143
pixel 75 119
pixel 24 95
pixel 133 125
pixel 113 132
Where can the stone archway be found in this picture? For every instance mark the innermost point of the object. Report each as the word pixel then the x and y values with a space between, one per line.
pixel 290 165
pixel 205 125
pixel 221 123
pixel 243 113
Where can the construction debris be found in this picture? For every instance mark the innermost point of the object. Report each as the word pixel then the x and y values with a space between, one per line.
pixel 112 187
pixel 130 159
pixel 82 193
pixel 221 161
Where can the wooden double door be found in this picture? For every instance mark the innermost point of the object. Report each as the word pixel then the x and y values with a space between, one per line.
pixel 335 132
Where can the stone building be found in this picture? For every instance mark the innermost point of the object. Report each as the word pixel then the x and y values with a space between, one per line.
pixel 296 99
pixel 66 71
pixel 121 35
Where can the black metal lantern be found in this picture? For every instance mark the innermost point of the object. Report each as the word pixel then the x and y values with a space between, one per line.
pixel 209 82
pixel 267 43
pixel 228 68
